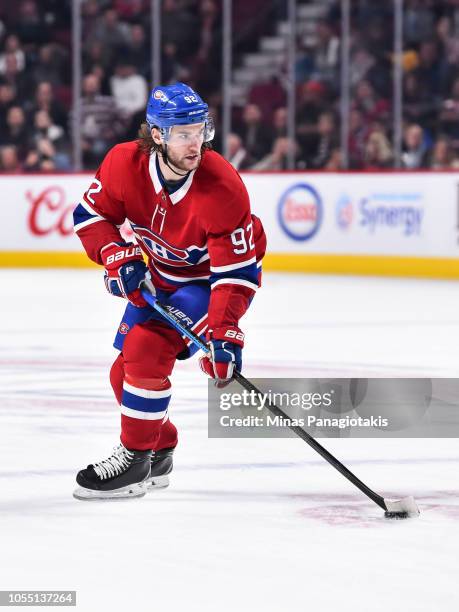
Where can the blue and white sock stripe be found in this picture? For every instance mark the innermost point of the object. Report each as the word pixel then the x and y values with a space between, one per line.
pixel 84 215
pixel 144 404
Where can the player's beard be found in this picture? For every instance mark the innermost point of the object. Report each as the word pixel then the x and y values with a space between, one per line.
pixel 181 162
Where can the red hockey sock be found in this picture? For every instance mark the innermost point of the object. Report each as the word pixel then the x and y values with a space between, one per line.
pixel 149 354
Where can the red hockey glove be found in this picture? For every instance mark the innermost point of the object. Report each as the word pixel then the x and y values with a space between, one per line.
pixel 225 345
pixel 124 271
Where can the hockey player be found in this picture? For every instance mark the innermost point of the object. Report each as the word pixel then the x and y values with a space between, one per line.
pixel 190 214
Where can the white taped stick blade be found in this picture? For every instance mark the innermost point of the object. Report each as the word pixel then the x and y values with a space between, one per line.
pixel 402 508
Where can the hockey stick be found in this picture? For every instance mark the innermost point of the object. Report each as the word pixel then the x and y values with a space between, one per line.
pixel 402 508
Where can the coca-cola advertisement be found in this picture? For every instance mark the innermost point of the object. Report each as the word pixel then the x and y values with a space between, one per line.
pixel 40 213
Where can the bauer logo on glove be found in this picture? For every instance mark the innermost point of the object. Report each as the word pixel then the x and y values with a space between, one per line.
pixel 122 253
pixel 225 356
pixel 124 271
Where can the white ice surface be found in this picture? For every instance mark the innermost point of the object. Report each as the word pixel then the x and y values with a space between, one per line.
pixel 246 525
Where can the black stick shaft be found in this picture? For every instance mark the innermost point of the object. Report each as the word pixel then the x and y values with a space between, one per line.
pixel 301 433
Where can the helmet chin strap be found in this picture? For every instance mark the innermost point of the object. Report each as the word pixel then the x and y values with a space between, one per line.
pixel 168 163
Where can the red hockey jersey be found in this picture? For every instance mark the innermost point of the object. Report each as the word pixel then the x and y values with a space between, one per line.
pixel 204 231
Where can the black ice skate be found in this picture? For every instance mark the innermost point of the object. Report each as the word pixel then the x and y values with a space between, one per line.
pixel 124 474
pixel 161 466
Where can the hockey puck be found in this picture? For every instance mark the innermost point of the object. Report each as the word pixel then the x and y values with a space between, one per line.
pixel 396 515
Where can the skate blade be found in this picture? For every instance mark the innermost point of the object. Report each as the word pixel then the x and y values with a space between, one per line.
pixel 134 490
pixel 157 482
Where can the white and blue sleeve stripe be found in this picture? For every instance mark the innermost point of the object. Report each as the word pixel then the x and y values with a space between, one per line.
pixel 84 215
pixel 244 273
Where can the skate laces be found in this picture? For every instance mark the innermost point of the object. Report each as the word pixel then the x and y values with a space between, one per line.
pixel 115 464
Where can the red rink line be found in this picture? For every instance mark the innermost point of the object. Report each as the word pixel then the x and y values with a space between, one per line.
pixel 60 363
pixel 260 370
pixel 78 407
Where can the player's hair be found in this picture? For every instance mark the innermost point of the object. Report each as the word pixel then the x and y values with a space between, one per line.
pixel 146 143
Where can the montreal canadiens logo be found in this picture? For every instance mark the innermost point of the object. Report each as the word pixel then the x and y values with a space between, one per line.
pixel 160 95
pixel 123 328
pixel 159 249
pixel 344 212
pixel 300 212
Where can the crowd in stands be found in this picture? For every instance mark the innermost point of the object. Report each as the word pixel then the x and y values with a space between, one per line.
pixel 36 82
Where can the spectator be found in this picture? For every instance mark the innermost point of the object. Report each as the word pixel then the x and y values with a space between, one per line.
pixel 139 50
pixel 418 105
pixel 278 158
pixel 90 15
pixel 238 157
pixel 50 66
pixel 101 124
pixel 129 88
pixel 99 71
pixel 311 103
pixel 96 53
pixel 9 161
pixel 13 45
pixel 448 41
pixel 373 67
pixel 415 150
pixel 15 77
pixel 326 56
pixel 361 63
pixel 378 152
pixel 254 132
pixel 443 156
pixel 433 69
pixel 7 95
pixel 358 134
pixel 45 100
pixel 372 106
pixel 449 115
pixel 31 27
pixel 41 159
pixel 327 140
pixel 110 31
pixel 16 131
pixel 49 142
pixel 418 22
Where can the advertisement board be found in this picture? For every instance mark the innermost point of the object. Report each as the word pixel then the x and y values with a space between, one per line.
pixel 380 214
pixel 375 223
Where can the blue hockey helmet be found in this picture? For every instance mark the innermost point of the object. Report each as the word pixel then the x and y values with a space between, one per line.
pixel 178 104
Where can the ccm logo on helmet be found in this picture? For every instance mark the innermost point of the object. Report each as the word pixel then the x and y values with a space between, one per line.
pixel 232 333
pixel 124 254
